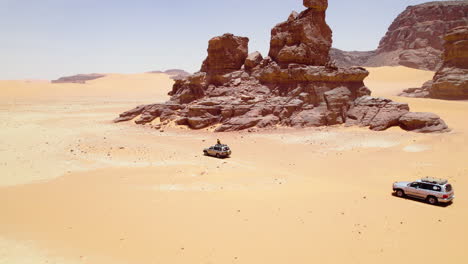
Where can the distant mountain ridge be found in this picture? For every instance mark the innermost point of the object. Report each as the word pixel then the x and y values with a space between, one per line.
pixel 79 78
pixel 175 74
pixel 414 39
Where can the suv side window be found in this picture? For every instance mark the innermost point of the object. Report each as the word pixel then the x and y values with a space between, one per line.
pixel 414 184
pixel 425 186
pixel 430 187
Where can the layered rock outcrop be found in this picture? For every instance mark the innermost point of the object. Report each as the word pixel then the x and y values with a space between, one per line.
pixel 451 80
pixel 414 39
pixel 226 54
pixel 295 86
pixel 304 38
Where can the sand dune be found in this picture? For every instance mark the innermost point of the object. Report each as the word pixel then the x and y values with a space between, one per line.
pixel 390 81
pixel 111 87
pixel 78 188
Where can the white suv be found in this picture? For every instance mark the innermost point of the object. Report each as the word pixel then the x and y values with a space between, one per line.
pixel 218 150
pixel 432 190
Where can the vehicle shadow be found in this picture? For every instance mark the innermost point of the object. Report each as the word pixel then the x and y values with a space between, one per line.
pixel 443 205
pixel 214 157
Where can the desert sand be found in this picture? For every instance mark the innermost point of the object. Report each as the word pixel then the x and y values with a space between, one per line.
pixel 76 188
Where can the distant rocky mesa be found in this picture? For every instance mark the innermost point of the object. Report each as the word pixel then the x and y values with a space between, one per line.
pixel 174 74
pixel 414 39
pixel 451 80
pixel 80 78
pixel 295 86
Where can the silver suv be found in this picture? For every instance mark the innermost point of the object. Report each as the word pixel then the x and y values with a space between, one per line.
pixel 218 150
pixel 432 190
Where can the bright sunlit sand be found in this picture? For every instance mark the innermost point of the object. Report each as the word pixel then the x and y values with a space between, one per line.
pixel 77 188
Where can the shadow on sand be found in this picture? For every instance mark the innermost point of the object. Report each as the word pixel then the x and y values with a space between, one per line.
pixel 443 205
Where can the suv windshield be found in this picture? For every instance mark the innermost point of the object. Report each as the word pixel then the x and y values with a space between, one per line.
pixel 448 188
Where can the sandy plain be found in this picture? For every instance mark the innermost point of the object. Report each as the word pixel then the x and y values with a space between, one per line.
pixel 76 188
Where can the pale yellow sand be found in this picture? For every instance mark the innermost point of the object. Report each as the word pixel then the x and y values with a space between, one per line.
pixel 79 189
pixel 111 87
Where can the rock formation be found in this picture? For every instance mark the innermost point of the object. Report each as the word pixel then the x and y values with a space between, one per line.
pixel 414 39
pixel 295 86
pixel 451 80
pixel 422 122
pixel 304 38
pixel 80 78
pixel 351 58
pixel 226 54
pixel 174 74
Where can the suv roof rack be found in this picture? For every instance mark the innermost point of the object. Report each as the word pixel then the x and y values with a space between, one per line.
pixel 434 180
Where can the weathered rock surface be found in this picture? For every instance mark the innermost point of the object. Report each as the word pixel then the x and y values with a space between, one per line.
pixel 422 122
pixel 253 60
pixel 319 5
pixel 377 113
pixel 226 54
pixel 350 58
pixel 304 38
pixel 421 92
pixel 295 86
pixel 414 39
pixel 451 80
pixel 80 78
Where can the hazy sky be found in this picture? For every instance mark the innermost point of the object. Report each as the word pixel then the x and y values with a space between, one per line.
pixel 46 39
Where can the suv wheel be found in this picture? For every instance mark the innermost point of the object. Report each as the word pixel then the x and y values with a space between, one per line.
pixel 432 200
pixel 400 193
pixel 217 155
